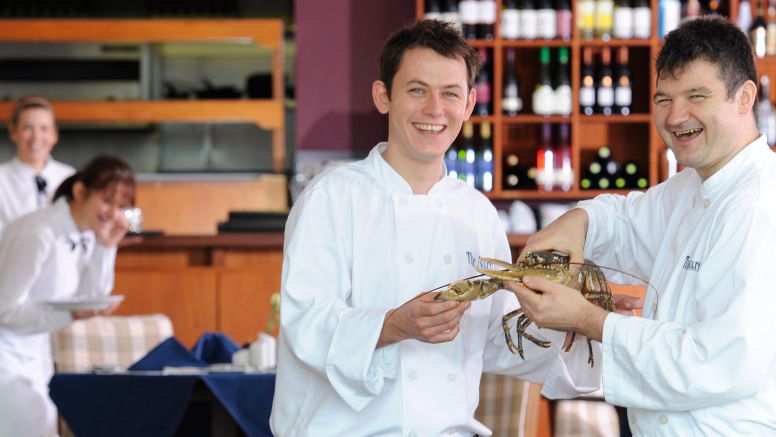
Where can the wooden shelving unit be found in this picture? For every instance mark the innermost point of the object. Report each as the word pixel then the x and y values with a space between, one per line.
pixel 632 137
pixel 268 33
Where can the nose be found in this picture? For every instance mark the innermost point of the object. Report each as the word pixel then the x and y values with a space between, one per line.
pixel 677 114
pixel 434 104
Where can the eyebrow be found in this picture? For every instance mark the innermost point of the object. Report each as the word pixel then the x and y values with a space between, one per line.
pixel 424 84
pixel 696 90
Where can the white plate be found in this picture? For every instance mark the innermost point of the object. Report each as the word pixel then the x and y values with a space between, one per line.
pixel 87 303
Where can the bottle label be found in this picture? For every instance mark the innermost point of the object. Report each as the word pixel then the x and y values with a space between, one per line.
pixel 671 15
pixel 563 100
pixel 604 9
pixel 623 96
pixel 563 26
pixel 528 24
pixel 623 23
pixel 512 104
pixel 487 11
pixel 587 96
pixel 586 19
pixel 605 96
pixel 543 100
pixel 642 22
pixel 510 24
pixel 470 12
pixel 545 19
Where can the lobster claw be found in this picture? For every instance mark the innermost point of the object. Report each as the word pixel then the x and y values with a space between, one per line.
pixel 511 272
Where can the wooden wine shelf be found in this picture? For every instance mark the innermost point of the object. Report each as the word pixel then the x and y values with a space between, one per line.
pixel 532 118
pixel 632 118
pixel 550 195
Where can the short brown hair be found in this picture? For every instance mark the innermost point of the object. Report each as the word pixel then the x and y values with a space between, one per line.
pixel 436 35
pixel 30 102
pixel 100 173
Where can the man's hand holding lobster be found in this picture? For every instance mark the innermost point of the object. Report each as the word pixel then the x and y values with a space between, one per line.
pixel 423 319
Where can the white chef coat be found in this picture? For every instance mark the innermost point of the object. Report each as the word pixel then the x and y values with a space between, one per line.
pixel 18 192
pixel 703 359
pixel 359 243
pixel 42 258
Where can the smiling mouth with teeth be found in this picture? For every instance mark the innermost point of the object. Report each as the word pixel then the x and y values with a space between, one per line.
pixel 425 127
pixel 688 132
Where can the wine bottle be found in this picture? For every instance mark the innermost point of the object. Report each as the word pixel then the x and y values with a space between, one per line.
pixel 563 18
pixel 482 85
pixel 586 181
pixel 605 91
pixel 511 103
pixel 451 15
pixel 744 21
pixel 470 15
pixel 603 182
pixel 545 161
pixel 586 18
pixel 622 26
pixel 623 94
pixel 604 11
pixel 485 159
pixel 510 20
pixel 528 21
pixel 587 87
pixel 692 9
pixel 543 95
pixel 642 19
pixel 765 117
pixel 563 84
pixel 565 174
pixel 670 16
pixel 433 11
pixel 487 17
pixel 546 20
pixel 770 47
pixel 467 155
pixel 757 32
pixel 451 161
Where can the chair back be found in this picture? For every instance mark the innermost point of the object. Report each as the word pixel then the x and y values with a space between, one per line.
pixel 108 341
pixel 508 406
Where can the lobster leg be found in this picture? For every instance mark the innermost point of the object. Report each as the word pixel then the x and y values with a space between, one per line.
pixel 505 324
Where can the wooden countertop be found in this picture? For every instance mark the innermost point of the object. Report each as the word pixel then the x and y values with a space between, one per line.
pixel 247 240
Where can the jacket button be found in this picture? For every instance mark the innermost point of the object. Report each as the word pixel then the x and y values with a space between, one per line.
pixel 706 203
pixel 412 375
pixel 408 258
pixel 448 259
pixel 452 377
pixel 663 419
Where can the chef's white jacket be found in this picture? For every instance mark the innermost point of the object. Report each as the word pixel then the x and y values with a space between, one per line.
pixel 18 191
pixel 703 359
pixel 43 257
pixel 359 243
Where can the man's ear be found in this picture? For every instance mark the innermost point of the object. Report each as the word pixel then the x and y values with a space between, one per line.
pixel 747 97
pixel 470 102
pixel 381 97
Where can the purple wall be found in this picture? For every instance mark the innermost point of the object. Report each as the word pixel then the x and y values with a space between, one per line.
pixel 338 44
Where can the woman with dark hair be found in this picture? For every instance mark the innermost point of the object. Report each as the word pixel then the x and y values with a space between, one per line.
pixel 63 251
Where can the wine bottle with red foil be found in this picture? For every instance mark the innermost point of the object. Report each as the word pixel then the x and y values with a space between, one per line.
pixel 482 85
pixel 564 174
pixel 545 160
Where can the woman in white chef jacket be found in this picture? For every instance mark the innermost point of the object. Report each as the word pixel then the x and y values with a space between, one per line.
pixel 62 251
pixel 29 179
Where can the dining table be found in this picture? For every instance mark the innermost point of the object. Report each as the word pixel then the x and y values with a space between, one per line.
pixel 170 392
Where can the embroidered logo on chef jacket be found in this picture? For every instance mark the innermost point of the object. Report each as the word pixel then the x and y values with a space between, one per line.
pixel 691 264
pixel 476 261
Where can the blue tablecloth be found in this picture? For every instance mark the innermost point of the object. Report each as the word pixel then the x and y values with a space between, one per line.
pixel 142 404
